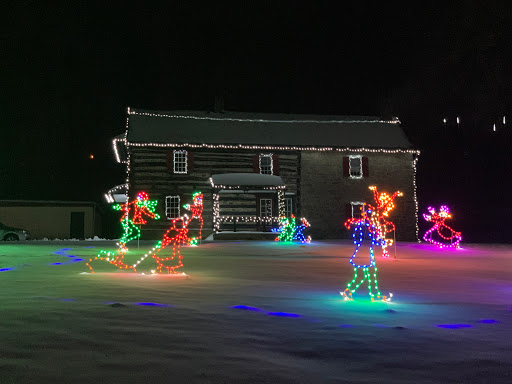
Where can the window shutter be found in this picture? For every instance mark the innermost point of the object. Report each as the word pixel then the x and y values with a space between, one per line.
pixel 190 161
pixel 348 210
pixel 366 172
pixel 275 164
pixel 170 161
pixel 256 163
pixel 345 166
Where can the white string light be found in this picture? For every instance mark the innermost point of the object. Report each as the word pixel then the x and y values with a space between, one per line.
pixel 267 147
pixel 109 195
pixel 130 112
pixel 415 160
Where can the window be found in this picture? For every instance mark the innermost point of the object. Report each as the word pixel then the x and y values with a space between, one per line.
pixel 265 207
pixel 172 207
pixel 357 209
pixel 355 167
pixel 288 206
pixel 266 167
pixel 180 161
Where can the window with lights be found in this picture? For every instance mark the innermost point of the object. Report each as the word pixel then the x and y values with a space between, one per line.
pixel 357 208
pixel 265 207
pixel 172 207
pixel 180 161
pixel 266 166
pixel 355 166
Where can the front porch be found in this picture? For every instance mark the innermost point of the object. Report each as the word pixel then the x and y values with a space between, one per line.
pixel 246 206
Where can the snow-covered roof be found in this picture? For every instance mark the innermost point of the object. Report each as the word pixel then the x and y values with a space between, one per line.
pixel 241 180
pixel 197 127
pixel 117 194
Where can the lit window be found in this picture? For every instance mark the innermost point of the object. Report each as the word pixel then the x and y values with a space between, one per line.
pixel 355 166
pixel 288 206
pixel 180 161
pixel 357 209
pixel 172 207
pixel 266 164
pixel 265 207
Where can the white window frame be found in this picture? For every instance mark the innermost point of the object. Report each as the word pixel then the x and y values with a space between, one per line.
pixel 288 206
pixel 267 213
pixel 360 157
pixel 182 164
pixel 355 204
pixel 269 155
pixel 169 206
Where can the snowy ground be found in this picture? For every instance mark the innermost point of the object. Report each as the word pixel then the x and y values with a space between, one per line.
pixel 255 312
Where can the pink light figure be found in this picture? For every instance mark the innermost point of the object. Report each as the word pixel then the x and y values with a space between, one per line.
pixel 443 231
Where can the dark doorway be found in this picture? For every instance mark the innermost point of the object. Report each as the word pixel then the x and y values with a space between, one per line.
pixel 76 227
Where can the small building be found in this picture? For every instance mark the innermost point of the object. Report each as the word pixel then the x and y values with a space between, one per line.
pixel 326 164
pixel 52 219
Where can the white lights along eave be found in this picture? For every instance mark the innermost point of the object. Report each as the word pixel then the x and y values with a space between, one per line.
pixel 264 147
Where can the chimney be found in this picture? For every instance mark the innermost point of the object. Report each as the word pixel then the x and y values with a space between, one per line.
pixel 219 104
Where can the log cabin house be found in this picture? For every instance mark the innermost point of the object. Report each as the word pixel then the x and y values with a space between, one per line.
pixel 255 167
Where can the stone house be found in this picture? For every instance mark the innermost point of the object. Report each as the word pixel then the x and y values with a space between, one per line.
pixel 312 166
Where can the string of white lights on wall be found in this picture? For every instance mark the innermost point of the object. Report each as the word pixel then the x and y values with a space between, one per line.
pixel 414 161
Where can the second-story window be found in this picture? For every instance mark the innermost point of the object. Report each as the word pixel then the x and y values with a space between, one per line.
pixel 266 166
pixel 180 161
pixel 355 164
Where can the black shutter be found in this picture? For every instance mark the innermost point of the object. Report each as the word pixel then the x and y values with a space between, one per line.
pixel 190 161
pixel 275 164
pixel 256 163
pixel 366 171
pixel 170 161
pixel 346 167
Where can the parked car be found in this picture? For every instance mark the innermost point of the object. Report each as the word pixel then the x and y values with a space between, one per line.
pixel 13 234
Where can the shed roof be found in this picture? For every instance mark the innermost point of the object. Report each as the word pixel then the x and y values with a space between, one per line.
pixel 232 128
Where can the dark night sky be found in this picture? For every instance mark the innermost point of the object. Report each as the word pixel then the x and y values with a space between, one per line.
pixel 70 71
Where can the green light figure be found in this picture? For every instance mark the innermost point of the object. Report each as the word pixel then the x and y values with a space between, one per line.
pixel 288 227
pixel 141 206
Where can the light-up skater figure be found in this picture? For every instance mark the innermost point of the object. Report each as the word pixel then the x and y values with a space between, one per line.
pixel 440 229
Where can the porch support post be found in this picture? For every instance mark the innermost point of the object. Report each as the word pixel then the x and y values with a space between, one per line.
pixel 280 202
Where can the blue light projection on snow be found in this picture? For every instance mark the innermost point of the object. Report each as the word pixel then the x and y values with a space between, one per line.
pixel 246 308
pixel 488 321
pixel 154 305
pixel 7 269
pixel 62 252
pixel 454 326
pixel 283 314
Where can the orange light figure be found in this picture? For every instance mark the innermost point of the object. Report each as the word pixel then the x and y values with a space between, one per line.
pixel 384 204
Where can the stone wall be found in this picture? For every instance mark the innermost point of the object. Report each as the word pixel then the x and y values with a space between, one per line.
pixel 325 192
